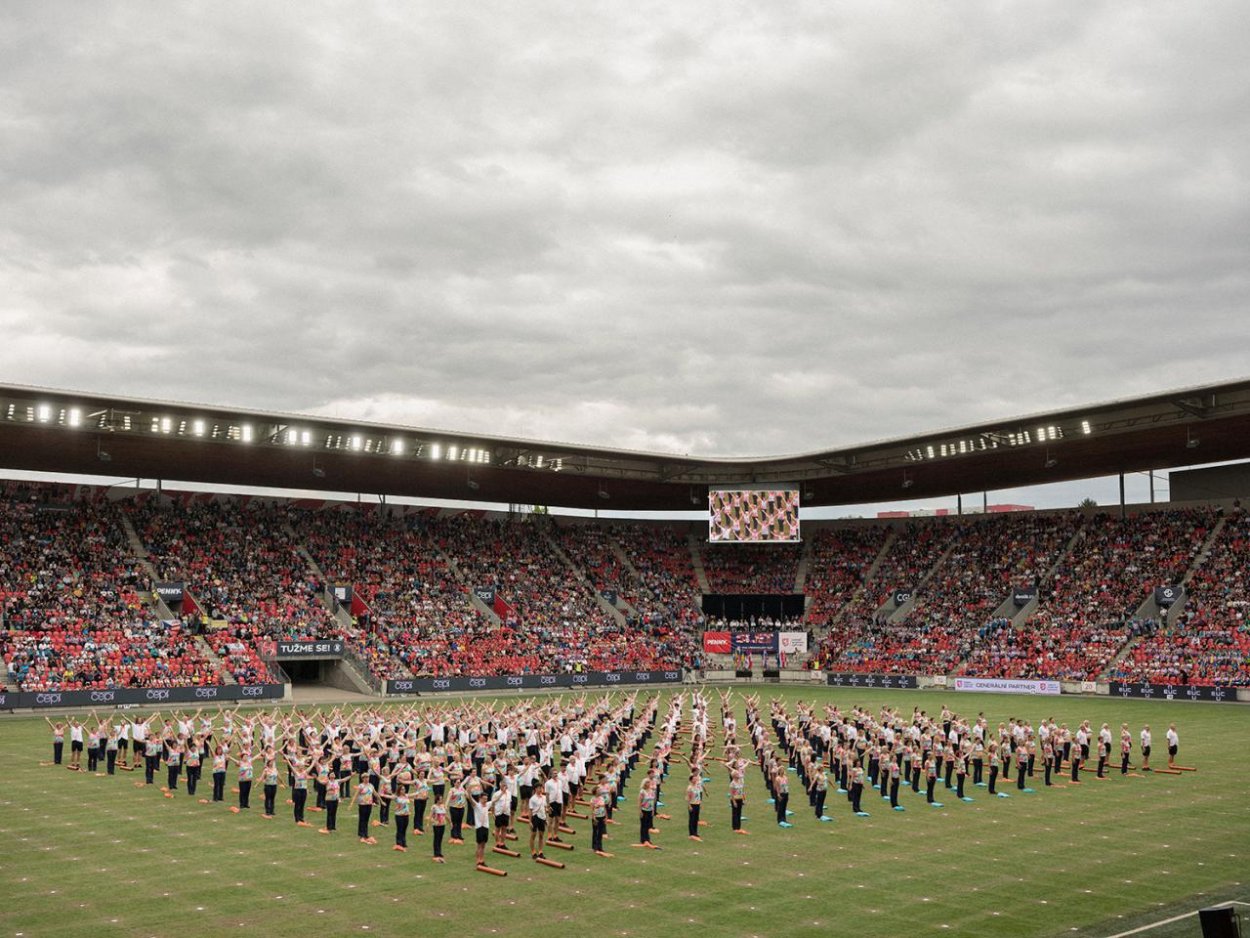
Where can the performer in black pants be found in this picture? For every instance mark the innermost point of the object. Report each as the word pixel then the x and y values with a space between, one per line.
pixel 857 789
pixel 737 798
pixel 332 804
pixel 269 777
pixel 58 740
pixel 192 764
pixel 403 806
pixel 363 798
pixel 820 790
pixel 220 759
pixel 173 762
pixel 299 792
pixel 599 820
pixel 694 804
pixel 781 785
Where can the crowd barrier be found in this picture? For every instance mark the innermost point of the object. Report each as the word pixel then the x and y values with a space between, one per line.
pixel 427 685
pixel 123 696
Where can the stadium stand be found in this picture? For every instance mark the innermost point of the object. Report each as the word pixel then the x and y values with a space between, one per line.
pixel 752 568
pixel 1208 640
pixel 74 614
pixel 73 619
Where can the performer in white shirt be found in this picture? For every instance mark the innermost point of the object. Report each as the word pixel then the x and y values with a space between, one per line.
pixel 1174 743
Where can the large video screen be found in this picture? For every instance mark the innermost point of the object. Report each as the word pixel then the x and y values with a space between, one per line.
pixel 753 516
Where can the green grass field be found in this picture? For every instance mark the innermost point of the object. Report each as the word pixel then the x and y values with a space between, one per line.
pixel 97 856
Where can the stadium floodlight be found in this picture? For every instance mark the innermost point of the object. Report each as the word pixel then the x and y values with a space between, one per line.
pixel 75 417
pixel 197 427
pixel 167 424
pixel 1086 428
pixel 397 447
pixel 247 432
pixel 452 452
pixel 305 437
pixel 436 451
pixel 45 412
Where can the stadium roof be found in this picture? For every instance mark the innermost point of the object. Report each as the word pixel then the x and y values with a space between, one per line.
pixel 92 434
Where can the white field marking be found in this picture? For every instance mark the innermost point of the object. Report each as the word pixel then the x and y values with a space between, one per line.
pixel 1174 918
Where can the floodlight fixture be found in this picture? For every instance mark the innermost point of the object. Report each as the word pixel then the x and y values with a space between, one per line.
pixel 397 447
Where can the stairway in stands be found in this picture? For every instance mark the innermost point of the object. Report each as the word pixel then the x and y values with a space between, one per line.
pixel 583 577
pixel 869 576
pixel 477 604
pixel 696 558
pixel 1151 610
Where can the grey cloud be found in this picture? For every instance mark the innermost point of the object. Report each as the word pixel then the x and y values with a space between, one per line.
pixel 690 227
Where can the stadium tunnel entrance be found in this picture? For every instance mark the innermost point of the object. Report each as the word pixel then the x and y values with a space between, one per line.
pixel 311 676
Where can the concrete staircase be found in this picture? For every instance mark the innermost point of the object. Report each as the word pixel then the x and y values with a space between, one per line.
pixel 622 603
pixel 206 650
pixel 584 579
pixel 903 611
pixel 800 572
pixel 487 611
pixel 696 558
pixel 1204 552
pixel 133 539
pixel 869 576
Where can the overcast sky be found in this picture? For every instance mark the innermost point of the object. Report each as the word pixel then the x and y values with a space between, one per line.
pixel 713 228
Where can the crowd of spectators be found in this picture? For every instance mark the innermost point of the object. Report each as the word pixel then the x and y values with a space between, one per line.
pixel 666 589
pixel 1207 640
pixel 752 568
pixel 242 563
pixel 1085 613
pixel 838 566
pixel 73 619
pixel 1086 595
pixel 856 632
pixel 553 619
pixel 421 620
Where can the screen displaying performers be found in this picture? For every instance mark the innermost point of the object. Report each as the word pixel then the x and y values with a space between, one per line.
pixel 753 515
